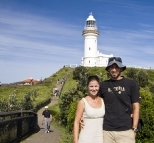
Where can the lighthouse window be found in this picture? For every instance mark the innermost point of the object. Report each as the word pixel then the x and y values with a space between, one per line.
pixel 89 48
pixel 89 61
pixel 90 23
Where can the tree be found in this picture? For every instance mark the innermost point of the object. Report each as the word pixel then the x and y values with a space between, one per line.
pixel 132 74
pixel 78 72
pixel 142 79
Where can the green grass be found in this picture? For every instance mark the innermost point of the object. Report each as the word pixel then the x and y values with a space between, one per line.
pixel 69 84
pixel 44 90
pixel 66 137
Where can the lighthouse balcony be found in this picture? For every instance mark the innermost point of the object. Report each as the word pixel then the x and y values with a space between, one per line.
pixel 90 31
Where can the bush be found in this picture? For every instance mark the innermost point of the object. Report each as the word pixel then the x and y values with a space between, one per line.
pixel 64 105
pixel 11 103
pixel 151 88
pixel 79 72
pixel 146 135
pixel 132 74
pixel 71 116
pixel 73 95
pixel 142 79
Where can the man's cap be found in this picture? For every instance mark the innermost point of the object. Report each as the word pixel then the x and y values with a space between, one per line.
pixel 115 60
pixel 46 106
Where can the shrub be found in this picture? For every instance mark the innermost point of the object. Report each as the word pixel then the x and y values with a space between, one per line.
pixel 71 116
pixel 142 78
pixel 64 105
pixel 132 74
pixel 11 103
pixel 146 135
pixel 151 88
pixel 79 72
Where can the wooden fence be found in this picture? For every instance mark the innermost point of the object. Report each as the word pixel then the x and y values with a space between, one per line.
pixel 16 125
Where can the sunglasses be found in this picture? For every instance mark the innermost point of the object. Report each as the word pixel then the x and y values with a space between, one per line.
pixel 118 59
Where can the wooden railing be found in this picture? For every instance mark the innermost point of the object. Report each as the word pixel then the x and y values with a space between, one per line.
pixel 16 125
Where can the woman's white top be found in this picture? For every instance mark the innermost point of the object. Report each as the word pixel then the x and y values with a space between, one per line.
pixel 93 121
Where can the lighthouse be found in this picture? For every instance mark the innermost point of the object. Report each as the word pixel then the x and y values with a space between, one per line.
pixel 92 57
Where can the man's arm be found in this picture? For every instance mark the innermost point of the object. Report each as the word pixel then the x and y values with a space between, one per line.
pixel 42 117
pixel 50 117
pixel 136 111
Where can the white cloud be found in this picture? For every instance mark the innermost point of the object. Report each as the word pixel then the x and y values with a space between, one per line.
pixel 36 44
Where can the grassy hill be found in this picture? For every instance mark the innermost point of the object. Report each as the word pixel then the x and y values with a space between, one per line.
pixel 44 90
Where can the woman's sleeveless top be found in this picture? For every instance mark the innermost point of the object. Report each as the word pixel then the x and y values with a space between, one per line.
pixel 93 120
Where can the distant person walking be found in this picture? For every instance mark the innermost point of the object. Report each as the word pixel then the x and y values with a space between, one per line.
pixel 62 81
pixel 55 92
pixel 47 118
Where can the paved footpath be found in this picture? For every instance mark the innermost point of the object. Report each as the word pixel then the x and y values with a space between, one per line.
pixel 41 137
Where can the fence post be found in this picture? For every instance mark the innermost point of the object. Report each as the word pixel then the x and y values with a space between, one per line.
pixel 19 126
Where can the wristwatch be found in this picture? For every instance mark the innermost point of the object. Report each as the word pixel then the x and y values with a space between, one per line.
pixel 135 130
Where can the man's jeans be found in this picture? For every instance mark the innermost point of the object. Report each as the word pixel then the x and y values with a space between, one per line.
pixel 47 124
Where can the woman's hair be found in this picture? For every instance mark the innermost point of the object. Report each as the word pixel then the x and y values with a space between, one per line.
pixel 91 78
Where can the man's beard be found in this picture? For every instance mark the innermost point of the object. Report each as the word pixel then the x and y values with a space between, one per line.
pixel 116 76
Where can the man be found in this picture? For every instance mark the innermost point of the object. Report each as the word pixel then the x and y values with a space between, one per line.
pixel 47 118
pixel 56 92
pixel 118 126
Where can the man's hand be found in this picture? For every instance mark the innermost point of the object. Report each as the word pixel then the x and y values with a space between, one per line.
pixel 81 123
pixel 134 133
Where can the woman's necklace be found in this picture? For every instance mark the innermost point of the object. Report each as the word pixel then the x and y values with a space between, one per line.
pixel 95 100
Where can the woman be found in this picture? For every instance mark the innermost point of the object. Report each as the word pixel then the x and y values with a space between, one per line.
pixel 92 110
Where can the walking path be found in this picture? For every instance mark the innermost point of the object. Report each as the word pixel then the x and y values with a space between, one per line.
pixel 41 137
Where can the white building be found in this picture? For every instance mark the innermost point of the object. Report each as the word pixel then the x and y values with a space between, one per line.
pixel 92 57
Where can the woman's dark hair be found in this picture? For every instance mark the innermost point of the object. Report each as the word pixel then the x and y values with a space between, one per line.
pixel 93 77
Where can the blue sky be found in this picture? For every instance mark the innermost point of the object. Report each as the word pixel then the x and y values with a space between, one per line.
pixel 38 37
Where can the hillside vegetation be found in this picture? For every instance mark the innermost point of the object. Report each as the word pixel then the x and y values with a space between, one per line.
pixel 75 88
pixel 13 97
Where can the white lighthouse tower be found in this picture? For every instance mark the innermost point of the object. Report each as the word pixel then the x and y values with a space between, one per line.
pixel 92 57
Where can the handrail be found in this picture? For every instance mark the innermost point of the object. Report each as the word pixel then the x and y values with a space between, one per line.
pixel 2 114
pixel 15 125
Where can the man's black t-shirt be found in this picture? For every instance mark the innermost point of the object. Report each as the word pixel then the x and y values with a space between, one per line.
pixel 116 118
pixel 46 113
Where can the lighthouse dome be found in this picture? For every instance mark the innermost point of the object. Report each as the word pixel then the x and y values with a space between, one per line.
pixel 90 18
